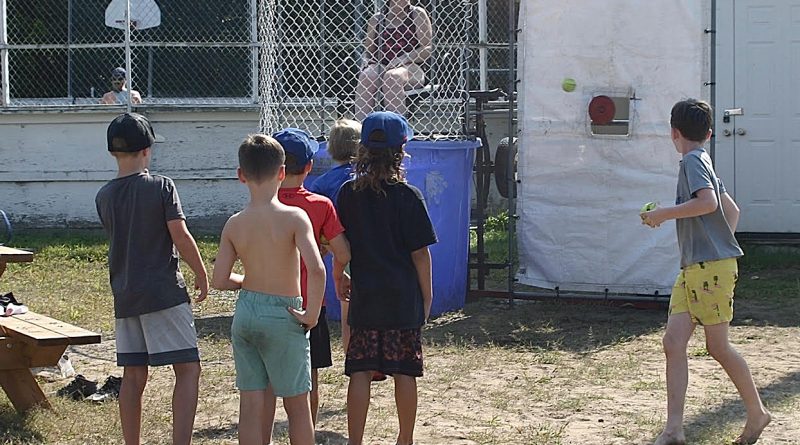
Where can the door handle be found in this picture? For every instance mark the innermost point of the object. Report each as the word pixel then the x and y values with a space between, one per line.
pixel 741 131
pixel 726 133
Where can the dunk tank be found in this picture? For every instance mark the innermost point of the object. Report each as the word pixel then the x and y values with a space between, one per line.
pixel 312 54
pixel 598 81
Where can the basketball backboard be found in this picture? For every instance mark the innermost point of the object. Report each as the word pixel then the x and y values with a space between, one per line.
pixel 144 14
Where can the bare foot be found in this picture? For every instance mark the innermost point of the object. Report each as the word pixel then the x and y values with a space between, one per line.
pixel 666 438
pixel 752 430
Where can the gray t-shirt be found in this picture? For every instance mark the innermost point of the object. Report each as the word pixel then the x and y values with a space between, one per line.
pixel 142 260
pixel 707 237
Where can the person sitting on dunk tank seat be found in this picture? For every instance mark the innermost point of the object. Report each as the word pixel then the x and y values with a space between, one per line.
pixel 119 94
pixel 397 46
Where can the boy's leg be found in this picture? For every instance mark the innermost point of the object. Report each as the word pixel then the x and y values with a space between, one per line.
pixel 270 403
pixel 251 415
pixel 134 379
pixel 314 396
pixel 298 410
pixel 358 392
pixel 735 366
pixel 679 329
pixel 184 401
pixel 405 396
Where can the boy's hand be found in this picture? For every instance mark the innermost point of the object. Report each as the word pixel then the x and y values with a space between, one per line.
pixel 201 284
pixel 304 318
pixel 343 288
pixel 653 218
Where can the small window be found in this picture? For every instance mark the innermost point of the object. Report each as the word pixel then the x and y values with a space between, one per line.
pixel 609 114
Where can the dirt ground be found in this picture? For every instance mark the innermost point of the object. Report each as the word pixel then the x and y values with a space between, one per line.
pixel 530 373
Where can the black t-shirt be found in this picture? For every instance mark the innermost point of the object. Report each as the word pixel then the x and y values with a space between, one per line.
pixel 142 260
pixel 383 230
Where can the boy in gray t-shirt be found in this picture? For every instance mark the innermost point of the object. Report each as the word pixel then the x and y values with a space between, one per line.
pixel 706 218
pixel 141 214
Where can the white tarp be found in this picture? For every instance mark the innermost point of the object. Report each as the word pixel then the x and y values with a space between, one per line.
pixel 580 195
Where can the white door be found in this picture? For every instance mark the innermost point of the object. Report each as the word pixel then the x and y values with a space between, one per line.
pixel 761 147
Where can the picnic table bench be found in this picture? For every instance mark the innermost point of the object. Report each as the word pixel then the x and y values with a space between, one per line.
pixel 32 340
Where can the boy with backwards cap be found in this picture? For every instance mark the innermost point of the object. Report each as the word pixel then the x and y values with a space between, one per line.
pixel 142 216
pixel 391 289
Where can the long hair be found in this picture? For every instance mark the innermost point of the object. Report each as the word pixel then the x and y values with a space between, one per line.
pixel 374 167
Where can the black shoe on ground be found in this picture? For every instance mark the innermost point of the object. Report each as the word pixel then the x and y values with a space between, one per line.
pixel 78 389
pixel 109 390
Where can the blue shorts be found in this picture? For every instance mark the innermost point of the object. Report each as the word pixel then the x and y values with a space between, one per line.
pixel 270 347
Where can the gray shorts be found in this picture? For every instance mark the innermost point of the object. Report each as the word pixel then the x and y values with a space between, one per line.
pixel 159 338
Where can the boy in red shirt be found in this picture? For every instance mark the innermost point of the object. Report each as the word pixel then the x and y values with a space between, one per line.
pixel 300 149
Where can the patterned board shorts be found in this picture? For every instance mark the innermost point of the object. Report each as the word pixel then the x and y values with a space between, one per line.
pixel 390 351
pixel 705 291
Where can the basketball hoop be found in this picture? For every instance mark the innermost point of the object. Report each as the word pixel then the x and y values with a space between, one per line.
pixel 144 14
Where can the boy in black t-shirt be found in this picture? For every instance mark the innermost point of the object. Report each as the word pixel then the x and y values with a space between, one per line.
pixel 391 289
pixel 142 216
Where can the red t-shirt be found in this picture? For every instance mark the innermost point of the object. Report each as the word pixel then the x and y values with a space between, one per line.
pixel 324 221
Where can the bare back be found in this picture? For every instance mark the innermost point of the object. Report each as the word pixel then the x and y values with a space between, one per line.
pixel 266 239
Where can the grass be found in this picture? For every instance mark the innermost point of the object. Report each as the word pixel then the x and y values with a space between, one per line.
pixel 531 373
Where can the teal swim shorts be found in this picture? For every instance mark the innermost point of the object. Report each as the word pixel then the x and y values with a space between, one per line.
pixel 269 345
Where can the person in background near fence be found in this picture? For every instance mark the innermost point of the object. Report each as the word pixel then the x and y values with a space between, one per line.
pixel 270 327
pixel 397 46
pixel 391 292
pixel 142 216
pixel 706 218
pixel 119 94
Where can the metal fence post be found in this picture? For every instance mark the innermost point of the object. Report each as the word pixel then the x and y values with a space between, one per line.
pixel 5 94
pixel 483 26
pixel 128 64
pixel 254 50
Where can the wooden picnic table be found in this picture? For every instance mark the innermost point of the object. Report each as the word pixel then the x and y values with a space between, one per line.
pixel 32 340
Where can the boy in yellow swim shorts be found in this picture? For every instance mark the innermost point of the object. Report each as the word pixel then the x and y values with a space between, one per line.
pixel 706 218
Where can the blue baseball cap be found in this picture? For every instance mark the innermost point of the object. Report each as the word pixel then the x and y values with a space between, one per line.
pixel 297 143
pixel 394 128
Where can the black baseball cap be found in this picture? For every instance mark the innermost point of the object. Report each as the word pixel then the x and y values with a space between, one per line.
pixel 119 73
pixel 130 132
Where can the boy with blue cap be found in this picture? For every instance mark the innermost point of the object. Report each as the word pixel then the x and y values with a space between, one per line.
pixel 391 289
pixel 300 149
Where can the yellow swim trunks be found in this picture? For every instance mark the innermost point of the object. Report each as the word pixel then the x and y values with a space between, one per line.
pixel 705 291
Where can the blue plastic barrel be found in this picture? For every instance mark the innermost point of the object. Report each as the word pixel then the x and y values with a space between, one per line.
pixel 442 170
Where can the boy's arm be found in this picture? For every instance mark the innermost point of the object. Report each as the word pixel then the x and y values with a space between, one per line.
pixel 703 203
pixel 422 262
pixel 188 250
pixel 224 278
pixel 315 270
pixel 341 256
pixel 731 211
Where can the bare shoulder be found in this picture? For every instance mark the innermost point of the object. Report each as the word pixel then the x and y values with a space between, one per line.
pixel 233 222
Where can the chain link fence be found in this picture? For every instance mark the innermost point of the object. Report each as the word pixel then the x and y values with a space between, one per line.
pixel 302 62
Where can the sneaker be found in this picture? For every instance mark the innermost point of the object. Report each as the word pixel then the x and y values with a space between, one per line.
pixel 7 299
pixel 78 389
pixel 109 390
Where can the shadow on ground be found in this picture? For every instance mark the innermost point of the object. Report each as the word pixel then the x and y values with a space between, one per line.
pixel 548 325
pixel 543 325
pixel 13 427
pixel 732 412
pixel 230 432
